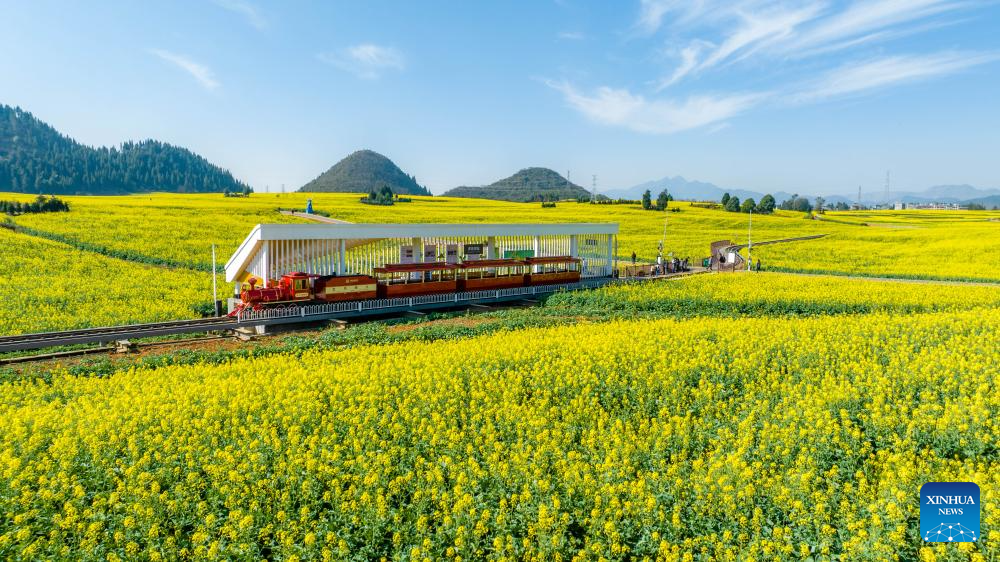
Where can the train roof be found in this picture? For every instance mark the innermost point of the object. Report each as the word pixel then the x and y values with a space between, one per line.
pixel 551 259
pixel 468 264
pixel 410 267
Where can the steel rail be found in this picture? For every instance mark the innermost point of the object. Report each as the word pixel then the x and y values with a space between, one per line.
pixel 298 314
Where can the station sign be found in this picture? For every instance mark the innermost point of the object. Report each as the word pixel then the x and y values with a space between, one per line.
pixel 451 253
pixel 518 254
pixel 473 251
pixel 430 252
pixel 406 254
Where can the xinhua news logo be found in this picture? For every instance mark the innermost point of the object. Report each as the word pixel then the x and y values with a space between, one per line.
pixel 949 512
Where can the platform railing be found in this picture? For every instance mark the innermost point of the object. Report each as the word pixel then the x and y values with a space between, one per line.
pixel 306 311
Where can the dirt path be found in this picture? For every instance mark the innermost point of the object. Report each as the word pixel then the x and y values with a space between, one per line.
pixel 892 279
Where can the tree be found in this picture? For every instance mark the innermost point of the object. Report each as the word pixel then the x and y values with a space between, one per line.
pixel 748 205
pixel 796 203
pixel 647 200
pixel 662 200
pixel 725 199
pixel 820 203
pixel 766 205
pixel 733 204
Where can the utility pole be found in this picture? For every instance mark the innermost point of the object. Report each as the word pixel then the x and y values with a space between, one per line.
pixel 215 295
pixel 887 199
pixel 593 189
pixel 750 241
pixel 859 198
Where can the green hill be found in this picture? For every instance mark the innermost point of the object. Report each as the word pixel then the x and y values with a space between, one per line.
pixel 529 184
pixel 35 158
pixel 362 172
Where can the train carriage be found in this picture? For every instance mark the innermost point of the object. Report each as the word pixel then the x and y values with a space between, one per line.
pixel 552 270
pixel 484 275
pixel 412 279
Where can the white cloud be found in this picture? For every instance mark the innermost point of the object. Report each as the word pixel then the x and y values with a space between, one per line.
pixel 864 18
pixel 367 60
pixel 199 72
pixel 620 107
pixel 759 30
pixel 782 29
pixel 689 60
pixel 888 71
pixel 571 35
pixel 706 37
pixel 651 13
pixel 245 9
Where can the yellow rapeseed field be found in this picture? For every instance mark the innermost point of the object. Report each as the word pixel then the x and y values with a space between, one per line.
pixel 922 244
pixel 701 439
pixel 766 293
pixel 48 286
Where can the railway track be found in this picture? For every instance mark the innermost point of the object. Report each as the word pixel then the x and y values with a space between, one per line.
pixel 107 334
pixel 299 314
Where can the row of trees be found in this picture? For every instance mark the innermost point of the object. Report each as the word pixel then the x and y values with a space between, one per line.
pixel 732 204
pixel 41 204
pixel 245 193
pixel 662 200
pixel 384 196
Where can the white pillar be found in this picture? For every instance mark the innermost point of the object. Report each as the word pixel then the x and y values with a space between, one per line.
pixel 611 255
pixel 491 248
pixel 418 249
pixel 265 262
pixel 536 248
pixel 574 249
pixel 342 258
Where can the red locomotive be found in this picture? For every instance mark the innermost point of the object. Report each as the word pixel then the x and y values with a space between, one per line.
pixel 409 280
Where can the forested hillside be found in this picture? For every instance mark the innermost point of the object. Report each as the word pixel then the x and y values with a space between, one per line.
pixel 35 158
pixel 529 184
pixel 365 171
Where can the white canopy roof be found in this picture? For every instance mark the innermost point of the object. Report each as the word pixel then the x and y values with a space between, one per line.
pixel 367 231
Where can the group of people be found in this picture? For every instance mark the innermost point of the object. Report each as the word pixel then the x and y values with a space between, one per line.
pixel 672 265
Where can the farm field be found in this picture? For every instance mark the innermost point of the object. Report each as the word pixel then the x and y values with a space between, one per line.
pixel 180 230
pixel 781 423
pixel 49 286
pixel 175 233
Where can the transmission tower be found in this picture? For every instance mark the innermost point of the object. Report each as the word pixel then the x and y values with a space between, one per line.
pixel 887 199
pixel 593 188
pixel 859 197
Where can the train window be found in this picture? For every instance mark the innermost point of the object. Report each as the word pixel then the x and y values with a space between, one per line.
pixel 300 284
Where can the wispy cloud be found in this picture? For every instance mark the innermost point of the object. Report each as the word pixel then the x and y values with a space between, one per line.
pixel 620 107
pixel 689 60
pixel 245 9
pixel 782 30
pixel 198 71
pixel 867 19
pixel 571 35
pixel 797 49
pixel 883 72
pixel 366 60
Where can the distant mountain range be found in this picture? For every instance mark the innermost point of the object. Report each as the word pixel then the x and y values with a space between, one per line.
pixel 529 184
pixel 35 158
pixel 684 189
pixel 687 190
pixel 362 172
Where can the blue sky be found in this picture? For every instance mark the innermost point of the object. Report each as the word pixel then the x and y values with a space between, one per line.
pixel 812 96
